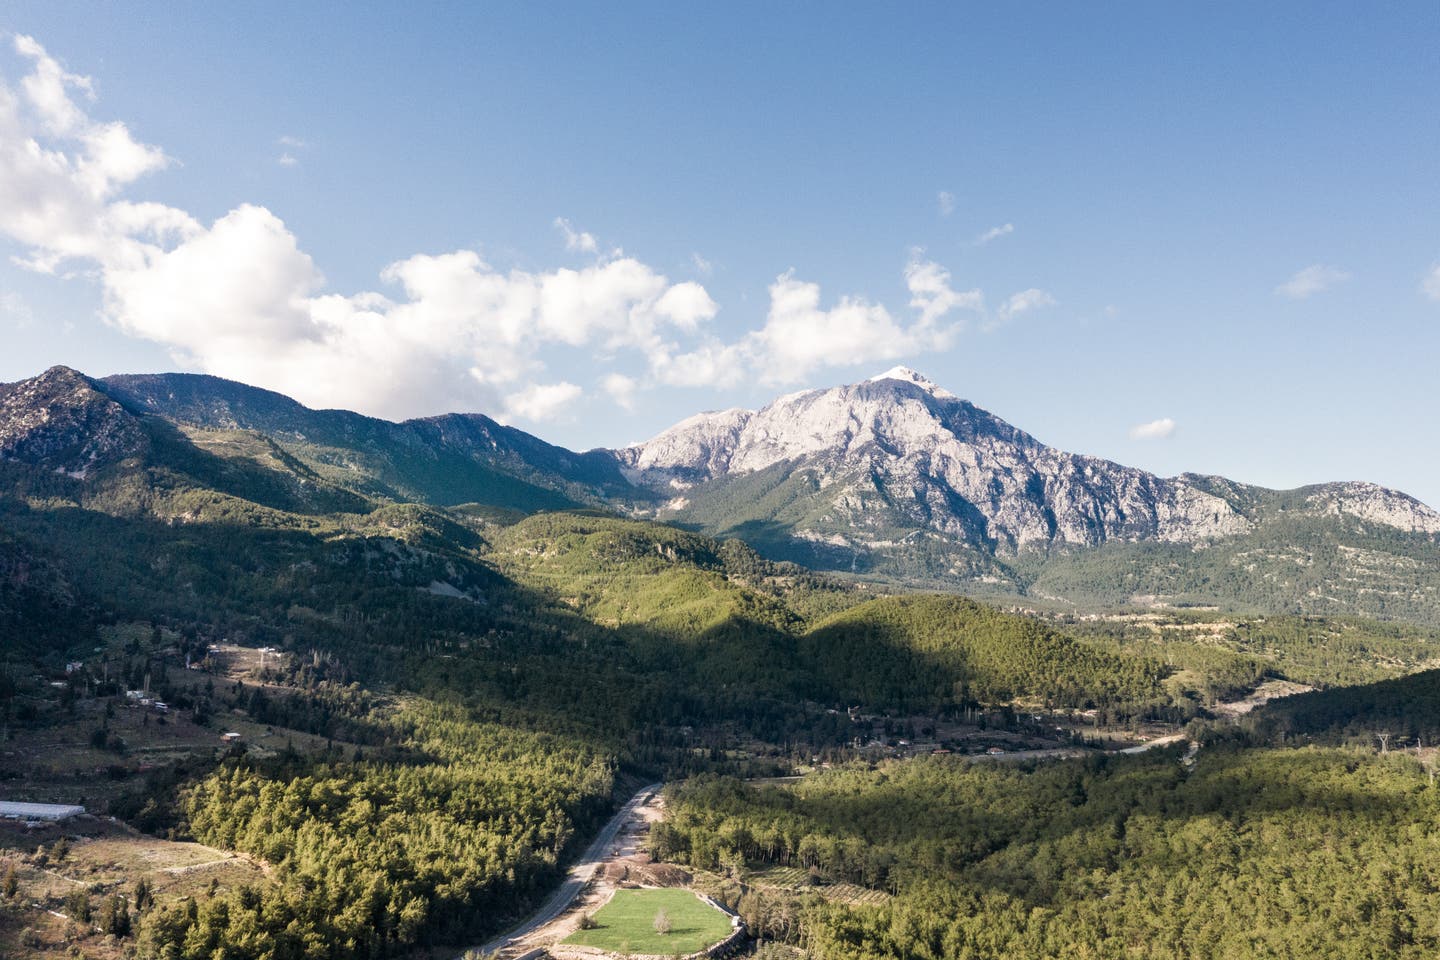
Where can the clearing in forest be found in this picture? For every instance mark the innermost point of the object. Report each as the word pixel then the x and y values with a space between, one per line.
pixel 627 923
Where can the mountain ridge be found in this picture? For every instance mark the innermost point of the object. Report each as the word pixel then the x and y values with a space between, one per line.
pixel 892 479
pixel 918 449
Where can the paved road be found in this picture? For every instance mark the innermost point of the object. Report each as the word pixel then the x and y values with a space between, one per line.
pixel 576 878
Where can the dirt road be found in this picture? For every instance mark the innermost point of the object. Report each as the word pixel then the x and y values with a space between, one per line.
pixel 575 879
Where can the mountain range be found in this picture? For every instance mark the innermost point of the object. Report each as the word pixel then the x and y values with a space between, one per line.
pixel 893 479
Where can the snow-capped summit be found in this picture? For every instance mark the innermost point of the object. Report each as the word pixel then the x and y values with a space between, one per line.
pixel 906 375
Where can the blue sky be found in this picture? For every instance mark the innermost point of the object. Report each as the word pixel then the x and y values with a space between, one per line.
pixel 595 221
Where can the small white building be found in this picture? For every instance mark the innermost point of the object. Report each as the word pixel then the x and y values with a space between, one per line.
pixel 52 812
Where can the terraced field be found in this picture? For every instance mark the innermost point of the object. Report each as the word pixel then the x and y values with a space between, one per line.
pixel 798 879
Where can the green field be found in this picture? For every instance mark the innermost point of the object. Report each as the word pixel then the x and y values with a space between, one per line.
pixel 627 923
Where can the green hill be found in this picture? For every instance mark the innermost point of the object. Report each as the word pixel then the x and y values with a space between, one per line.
pixel 920 651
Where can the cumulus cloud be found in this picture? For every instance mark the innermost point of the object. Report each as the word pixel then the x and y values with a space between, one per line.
pixel 711 364
pixel 1310 281
pixel 239 296
pixel 576 241
pixel 1430 285
pixel 800 335
pixel 994 233
pixel 945 200
pixel 1154 430
pixel 931 293
pixel 542 401
pixel 57 202
pixel 621 389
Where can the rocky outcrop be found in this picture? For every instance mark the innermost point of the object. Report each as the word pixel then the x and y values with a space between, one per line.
pixel 1371 503
pixel 60 421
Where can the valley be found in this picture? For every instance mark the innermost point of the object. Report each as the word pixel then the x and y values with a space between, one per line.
pixel 331 687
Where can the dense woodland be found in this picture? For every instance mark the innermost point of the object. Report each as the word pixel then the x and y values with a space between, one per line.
pixel 1403 712
pixel 1253 853
pixel 373 858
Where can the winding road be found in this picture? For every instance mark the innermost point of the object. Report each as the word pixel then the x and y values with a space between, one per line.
pixel 575 879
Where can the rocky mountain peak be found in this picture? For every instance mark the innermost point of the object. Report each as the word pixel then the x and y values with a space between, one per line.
pixel 59 420
pixel 898 455
pixel 897 414
pixel 905 375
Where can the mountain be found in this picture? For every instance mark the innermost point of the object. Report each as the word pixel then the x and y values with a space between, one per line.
pixel 897 477
pixel 443 460
pixel 893 479
pixel 206 520
pixel 59 420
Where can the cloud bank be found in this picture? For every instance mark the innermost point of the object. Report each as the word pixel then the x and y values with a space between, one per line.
pixel 240 298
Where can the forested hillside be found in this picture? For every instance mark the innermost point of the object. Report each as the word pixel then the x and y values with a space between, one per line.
pixel 918 653
pixel 1391 714
pixel 444 460
pixel 1292 563
pixel 446 837
pixel 1253 853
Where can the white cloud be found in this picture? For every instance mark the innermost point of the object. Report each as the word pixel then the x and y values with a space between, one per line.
pixel 1023 302
pixel 994 233
pixel 1154 430
pixel 1430 285
pixel 239 296
pixel 541 401
pixel 621 389
pixel 945 200
pixel 711 364
pixel 46 88
pixel 702 266
pixel 1310 281
pixel 576 241
pixel 799 336
pixel 290 147
pixel 56 202
pixel 930 291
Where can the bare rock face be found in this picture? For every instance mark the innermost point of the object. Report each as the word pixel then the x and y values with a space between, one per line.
pixel 899 451
pixel 59 420
pixel 694 450
pixel 1374 504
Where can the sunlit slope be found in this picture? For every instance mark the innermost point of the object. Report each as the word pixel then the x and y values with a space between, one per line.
pixel 920 650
